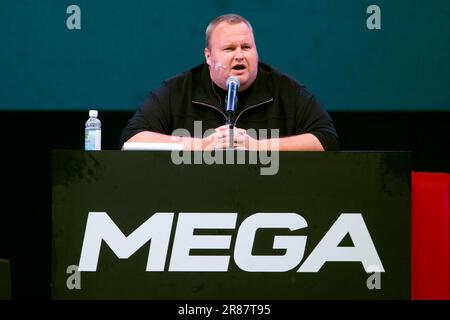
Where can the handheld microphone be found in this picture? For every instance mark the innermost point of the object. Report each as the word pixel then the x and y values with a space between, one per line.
pixel 231 101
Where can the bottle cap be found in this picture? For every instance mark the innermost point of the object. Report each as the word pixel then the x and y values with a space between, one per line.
pixel 93 113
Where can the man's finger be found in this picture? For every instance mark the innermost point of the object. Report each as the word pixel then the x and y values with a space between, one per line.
pixel 222 128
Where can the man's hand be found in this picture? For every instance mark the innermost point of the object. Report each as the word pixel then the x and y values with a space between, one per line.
pixel 222 135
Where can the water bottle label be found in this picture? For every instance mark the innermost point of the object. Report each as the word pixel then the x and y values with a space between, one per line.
pixel 92 140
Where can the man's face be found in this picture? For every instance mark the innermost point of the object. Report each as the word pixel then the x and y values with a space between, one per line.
pixel 232 52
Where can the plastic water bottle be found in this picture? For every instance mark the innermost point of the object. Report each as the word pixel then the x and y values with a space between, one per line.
pixel 93 132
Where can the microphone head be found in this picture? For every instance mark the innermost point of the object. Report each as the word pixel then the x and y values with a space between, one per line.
pixel 234 80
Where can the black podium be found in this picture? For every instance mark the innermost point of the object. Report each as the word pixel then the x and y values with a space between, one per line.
pixel 139 225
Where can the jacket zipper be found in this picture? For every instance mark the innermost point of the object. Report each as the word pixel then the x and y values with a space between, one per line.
pixel 251 107
pixel 226 118
pixel 208 105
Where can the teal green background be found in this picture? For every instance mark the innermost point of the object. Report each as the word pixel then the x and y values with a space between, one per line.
pixel 126 48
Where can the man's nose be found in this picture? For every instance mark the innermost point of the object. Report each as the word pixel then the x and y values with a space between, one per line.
pixel 239 55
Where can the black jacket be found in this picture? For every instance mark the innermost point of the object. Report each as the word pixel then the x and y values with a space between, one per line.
pixel 274 101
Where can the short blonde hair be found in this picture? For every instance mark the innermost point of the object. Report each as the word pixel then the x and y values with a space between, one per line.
pixel 229 18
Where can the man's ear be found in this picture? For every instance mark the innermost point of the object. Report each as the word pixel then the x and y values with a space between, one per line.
pixel 207 56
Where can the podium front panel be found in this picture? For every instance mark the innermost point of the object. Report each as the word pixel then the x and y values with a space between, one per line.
pixel 327 225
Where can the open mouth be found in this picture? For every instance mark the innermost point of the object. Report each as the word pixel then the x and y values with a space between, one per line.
pixel 239 67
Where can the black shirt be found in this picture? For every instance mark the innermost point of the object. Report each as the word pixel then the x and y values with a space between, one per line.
pixel 274 101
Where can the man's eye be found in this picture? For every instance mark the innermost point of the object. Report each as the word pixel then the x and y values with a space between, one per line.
pixel 228 49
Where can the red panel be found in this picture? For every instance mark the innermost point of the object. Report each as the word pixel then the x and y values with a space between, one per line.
pixel 430 236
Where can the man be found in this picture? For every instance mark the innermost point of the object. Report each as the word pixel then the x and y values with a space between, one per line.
pixel 267 99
